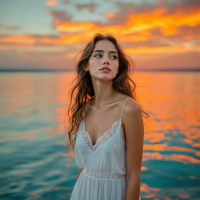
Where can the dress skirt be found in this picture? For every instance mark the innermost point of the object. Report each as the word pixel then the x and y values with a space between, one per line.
pixel 89 187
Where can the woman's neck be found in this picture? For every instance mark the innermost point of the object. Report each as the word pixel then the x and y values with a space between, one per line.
pixel 103 92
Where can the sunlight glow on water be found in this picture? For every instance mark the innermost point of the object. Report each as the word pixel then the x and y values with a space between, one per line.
pixel 35 165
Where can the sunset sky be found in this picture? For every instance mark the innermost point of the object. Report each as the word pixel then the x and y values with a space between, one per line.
pixel 38 34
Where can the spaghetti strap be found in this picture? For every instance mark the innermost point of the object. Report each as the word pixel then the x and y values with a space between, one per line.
pixel 123 106
pixel 83 114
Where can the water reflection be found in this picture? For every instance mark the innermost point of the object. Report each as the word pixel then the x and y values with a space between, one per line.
pixel 35 165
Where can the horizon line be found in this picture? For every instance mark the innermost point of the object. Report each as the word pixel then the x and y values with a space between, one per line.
pixel 73 70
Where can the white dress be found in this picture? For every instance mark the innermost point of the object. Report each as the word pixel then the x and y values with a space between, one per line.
pixel 104 173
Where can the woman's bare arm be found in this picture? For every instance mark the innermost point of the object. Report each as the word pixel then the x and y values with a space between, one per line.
pixel 134 129
pixel 79 171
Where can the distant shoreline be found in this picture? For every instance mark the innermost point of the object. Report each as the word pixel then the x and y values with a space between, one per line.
pixel 65 70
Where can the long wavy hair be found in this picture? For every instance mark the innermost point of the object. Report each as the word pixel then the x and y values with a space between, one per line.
pixel 83 90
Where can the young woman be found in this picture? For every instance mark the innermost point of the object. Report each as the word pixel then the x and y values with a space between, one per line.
pixel 106 125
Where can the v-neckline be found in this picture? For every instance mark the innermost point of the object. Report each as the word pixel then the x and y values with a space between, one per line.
pixel 94 147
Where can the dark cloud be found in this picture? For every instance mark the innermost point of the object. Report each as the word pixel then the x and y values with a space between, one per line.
pixel 148 43
pixel 36 36
pixel 9 28
pixel 60 15
pixel 66 1
pixel 170 6
pixel 188 6
pixel 183 34
pixel 91 6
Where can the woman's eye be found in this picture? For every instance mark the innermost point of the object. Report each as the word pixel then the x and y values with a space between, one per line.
pixel 115 57
pixel 98 55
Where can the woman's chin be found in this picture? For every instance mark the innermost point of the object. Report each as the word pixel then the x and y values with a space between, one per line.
pixel 104 77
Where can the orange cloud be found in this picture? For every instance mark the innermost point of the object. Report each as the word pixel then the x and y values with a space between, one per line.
pixel 141 50
pixel 19 39
pixel 158 18
pixel 110 15
pixel 51 2
pixel 68 39
pixel 74 27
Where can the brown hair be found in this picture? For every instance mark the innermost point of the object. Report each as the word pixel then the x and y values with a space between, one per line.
pixel 84 91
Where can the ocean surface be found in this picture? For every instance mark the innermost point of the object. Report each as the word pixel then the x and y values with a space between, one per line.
pixel 34 163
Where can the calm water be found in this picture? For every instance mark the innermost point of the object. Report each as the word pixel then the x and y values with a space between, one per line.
pixel 33 160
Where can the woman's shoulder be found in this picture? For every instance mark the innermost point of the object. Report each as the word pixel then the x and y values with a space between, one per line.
pixel 129 100
pixel 131 106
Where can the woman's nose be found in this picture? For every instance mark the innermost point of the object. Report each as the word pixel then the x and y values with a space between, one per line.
pixel 106 60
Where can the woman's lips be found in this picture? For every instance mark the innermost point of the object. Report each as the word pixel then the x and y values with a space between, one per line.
pixel 105 69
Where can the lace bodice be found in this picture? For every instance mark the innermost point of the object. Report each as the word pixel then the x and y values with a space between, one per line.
pixel 106 136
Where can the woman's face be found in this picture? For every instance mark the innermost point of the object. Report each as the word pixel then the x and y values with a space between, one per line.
pixel 103 63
